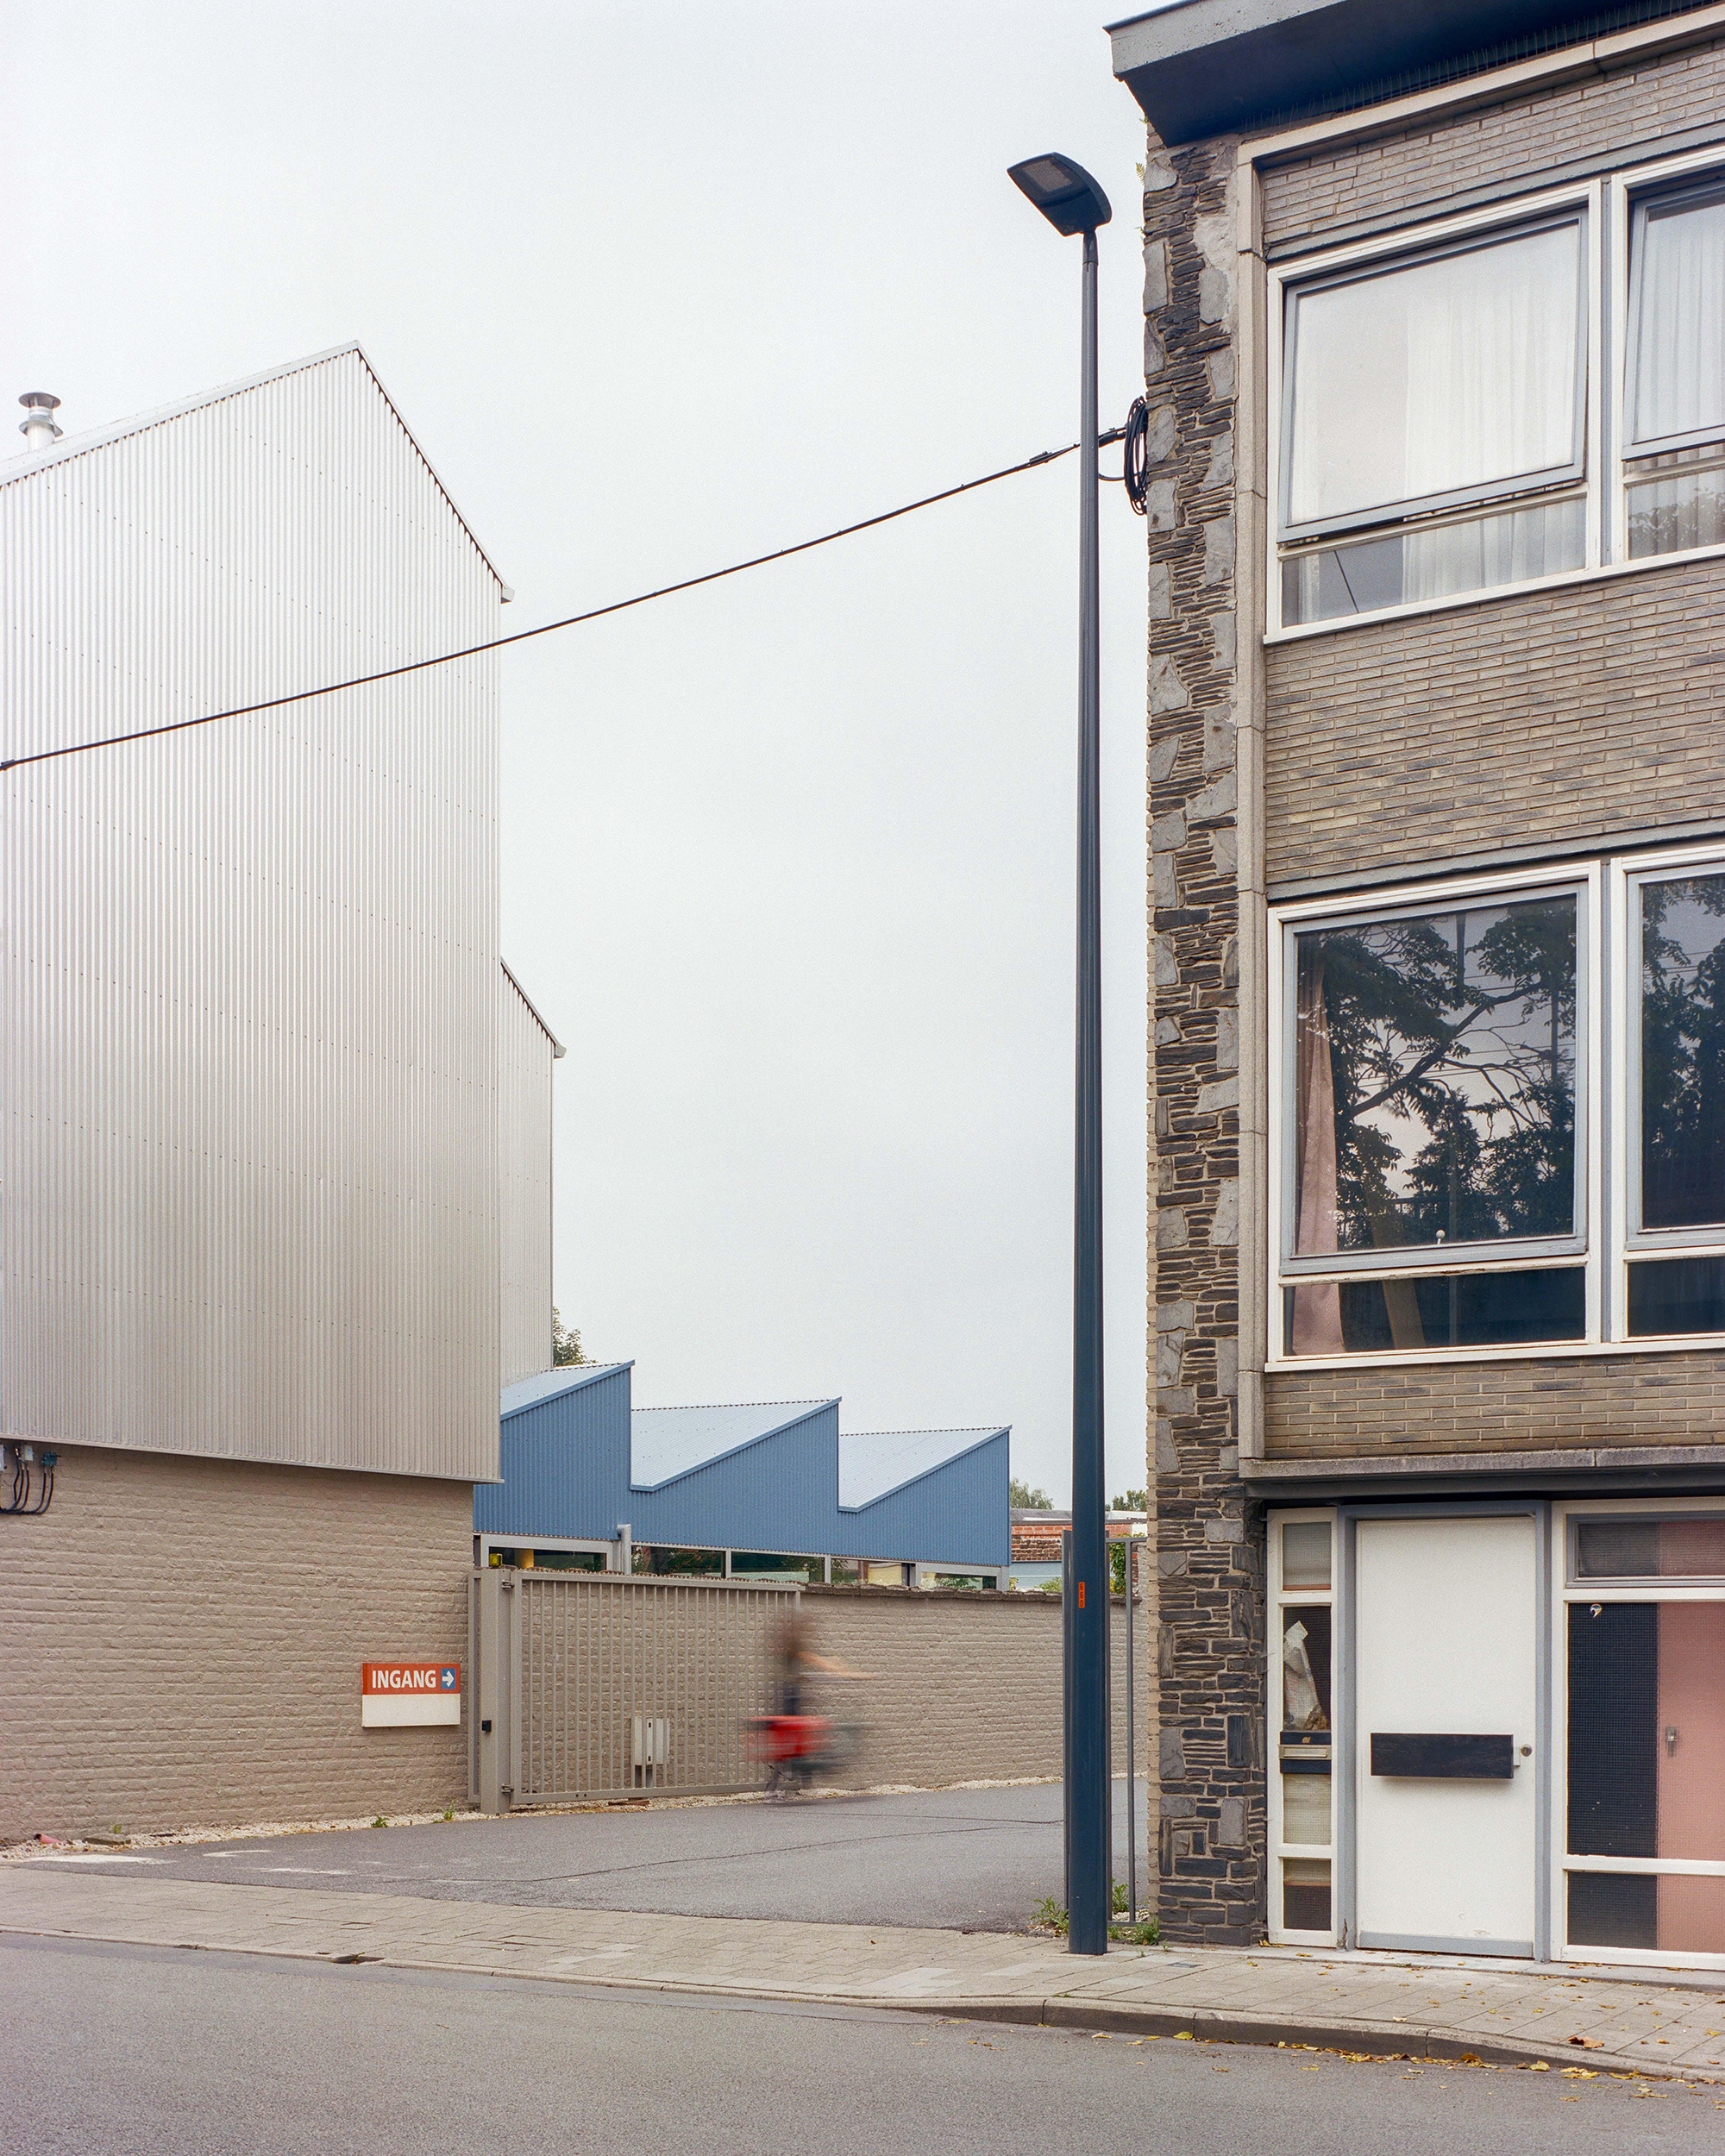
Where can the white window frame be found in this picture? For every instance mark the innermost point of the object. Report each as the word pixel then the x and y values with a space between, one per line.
pixel 1278 1599
pixel 1567 1589
pixel 1585 879
pixel 1505 218
pixel 1625 188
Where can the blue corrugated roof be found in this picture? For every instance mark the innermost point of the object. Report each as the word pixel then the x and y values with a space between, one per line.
pixel 667 1442
pixel 874 1462
pixel 528 1391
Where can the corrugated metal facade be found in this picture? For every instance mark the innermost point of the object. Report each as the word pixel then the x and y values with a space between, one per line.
pixel 525 1050
pixel 248 1007
pixel 566 1468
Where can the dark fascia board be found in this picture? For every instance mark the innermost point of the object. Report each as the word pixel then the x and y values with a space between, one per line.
pixel 1204 68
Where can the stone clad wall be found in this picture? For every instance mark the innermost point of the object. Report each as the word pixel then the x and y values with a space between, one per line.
pixel 1209 1555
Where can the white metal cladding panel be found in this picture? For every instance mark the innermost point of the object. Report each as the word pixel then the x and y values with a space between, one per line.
pixel 250 972
pixel 523 1182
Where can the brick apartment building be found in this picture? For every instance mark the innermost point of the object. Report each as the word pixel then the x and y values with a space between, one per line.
pixel 1434 347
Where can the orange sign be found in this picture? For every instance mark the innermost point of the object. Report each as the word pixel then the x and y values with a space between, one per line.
pixel 404 1695
pixel 410 1677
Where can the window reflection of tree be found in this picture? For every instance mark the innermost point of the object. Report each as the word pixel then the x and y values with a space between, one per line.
pixel 1451 1052
pixel 1683 1053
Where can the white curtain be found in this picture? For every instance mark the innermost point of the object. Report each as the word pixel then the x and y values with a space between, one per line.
pixel 1679 331
pixel 1447 374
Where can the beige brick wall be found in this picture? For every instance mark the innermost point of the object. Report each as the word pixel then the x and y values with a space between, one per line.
pixel 182 1642
pixel 1563 715
pixel 1630 1401
pixel 967 1686
pixel 1403 174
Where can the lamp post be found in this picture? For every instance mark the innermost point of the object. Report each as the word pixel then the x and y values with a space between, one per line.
pixel 1074 204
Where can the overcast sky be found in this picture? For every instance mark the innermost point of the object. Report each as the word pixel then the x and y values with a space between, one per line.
pixel 787 863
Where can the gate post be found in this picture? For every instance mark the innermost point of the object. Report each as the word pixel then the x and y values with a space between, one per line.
pixel 494 1688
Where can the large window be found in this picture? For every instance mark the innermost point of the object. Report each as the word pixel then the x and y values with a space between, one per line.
pixel 1677 1256
pixel 1447 423
pixel 1446 1104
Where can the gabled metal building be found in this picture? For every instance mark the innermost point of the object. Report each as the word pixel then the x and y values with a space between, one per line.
pixel 583 1472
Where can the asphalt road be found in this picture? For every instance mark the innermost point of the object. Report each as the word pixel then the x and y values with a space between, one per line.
pixel 136 2051
pixel 970 1859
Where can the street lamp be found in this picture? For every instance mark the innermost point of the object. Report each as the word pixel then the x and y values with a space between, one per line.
pixel 1074 204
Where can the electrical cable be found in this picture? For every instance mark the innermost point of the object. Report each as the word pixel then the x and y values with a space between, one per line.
pixel 546 629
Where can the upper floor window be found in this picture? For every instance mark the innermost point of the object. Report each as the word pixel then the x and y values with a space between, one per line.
pixel 1445 427
pixel 1674 396
pixel 1462 1162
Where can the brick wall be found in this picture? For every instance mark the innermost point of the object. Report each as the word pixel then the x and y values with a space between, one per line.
pixel 967 1685
pixel 1595 116
pixel 182 1643
pixel 1575 1400
pixel 1209 1555
pixel 1561 715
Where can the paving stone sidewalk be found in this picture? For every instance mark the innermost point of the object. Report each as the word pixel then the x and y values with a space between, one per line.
pixel 1423 2010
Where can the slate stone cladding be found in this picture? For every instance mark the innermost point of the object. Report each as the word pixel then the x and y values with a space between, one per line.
pixel 1600 1401
pixel 1561 716
pixel 1598 114
pixel 1209 1549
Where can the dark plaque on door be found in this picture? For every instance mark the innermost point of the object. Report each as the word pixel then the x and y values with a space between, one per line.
pixel 1443 1758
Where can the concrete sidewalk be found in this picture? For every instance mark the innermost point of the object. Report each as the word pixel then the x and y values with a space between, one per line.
pixel 1367 2005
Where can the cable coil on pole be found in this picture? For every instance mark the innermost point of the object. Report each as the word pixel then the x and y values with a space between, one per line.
pixel 1136 452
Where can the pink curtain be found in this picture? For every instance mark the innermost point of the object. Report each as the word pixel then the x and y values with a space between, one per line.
pixel 1317 1307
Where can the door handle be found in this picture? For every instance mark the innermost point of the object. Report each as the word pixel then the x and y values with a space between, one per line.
pixel 1671 1741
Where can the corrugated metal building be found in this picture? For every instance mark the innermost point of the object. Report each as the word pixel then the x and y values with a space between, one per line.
pixel 584 1474
pixel 269 1108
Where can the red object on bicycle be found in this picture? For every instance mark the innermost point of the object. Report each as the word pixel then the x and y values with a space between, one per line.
pixel 779 1737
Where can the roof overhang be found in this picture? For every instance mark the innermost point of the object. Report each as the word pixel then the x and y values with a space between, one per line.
pixel 1204 68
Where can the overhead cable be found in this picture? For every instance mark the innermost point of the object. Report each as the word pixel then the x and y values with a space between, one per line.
pixel 547 628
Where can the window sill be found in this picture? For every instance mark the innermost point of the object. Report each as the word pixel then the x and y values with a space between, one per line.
pixel 1491 596
pixel 1542 1351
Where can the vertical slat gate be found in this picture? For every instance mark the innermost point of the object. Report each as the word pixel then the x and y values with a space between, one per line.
pixel 620 1685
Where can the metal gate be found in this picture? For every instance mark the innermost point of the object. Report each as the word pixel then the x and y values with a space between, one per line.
pixel 595 1684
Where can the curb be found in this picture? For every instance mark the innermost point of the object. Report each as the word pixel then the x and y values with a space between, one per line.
pixel 1372 2039
pixel 1059 2011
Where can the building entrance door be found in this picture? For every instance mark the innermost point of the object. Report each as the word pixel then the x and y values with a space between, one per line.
pixel 1446 1616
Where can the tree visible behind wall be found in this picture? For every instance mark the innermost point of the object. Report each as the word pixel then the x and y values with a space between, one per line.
pixel 1023 1498
pixel 566 1344
pixel 1130 1500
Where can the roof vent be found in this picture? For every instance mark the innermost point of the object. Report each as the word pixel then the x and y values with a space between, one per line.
pixel 37 426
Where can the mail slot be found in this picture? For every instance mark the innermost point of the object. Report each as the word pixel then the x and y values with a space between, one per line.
pixel 1305 1752
pixel 1443 1758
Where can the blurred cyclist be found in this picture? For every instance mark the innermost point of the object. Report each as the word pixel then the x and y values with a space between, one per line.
pixel 797 1661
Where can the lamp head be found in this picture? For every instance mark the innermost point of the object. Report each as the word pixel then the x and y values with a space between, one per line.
pixel 1063 191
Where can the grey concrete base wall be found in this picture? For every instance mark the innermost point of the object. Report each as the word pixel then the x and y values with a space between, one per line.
pixel 966 1686
pixel 1595 114
pixel 1558 716
pixel 1631 1401
pixel 180 1643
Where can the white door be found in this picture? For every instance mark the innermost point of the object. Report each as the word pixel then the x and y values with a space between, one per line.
pixel 1445 1625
